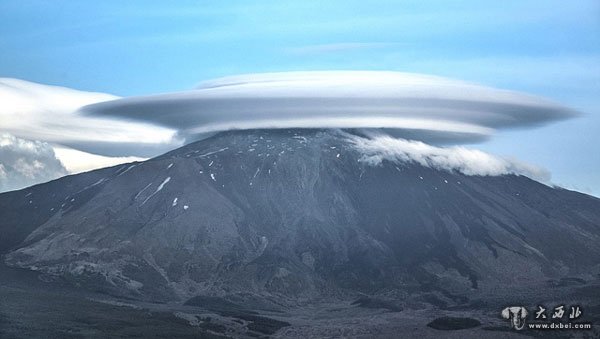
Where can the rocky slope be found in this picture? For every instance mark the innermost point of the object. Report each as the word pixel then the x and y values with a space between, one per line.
pixel 291 215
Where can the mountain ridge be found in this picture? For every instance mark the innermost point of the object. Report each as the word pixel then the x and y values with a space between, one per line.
pixel 295 215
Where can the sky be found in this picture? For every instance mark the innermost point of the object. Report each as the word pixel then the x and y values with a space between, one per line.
pixel 546 48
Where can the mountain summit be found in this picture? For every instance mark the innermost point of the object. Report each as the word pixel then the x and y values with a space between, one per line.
pixel 295 215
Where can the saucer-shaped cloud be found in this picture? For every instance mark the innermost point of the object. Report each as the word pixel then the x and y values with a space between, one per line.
pixel 412 106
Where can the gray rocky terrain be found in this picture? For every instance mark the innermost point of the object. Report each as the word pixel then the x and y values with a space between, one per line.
pixel 288 233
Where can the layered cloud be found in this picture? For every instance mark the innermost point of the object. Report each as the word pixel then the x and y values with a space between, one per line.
pixel 376 148
pixel 415 106
pixel 49 113
pixel 49 130
pixel 43 137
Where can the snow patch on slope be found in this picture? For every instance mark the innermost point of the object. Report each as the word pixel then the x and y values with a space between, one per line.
pixel 158 189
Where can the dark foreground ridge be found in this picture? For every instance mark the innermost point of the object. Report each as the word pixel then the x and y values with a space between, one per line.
pixel 272 220
pixel 452 323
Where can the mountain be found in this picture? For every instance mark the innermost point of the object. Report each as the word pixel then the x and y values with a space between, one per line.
pixel 295 215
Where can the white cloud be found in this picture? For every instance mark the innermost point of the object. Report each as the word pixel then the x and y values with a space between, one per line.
pixel 411 105
pixel 26 162
pixel 108 130
pixel 377 148
pixel 49 113
pixel 42 137
pixel 76 161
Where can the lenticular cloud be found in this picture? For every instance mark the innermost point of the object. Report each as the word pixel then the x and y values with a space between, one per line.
pixel 412 106
pixel 49 113
pixel 416 108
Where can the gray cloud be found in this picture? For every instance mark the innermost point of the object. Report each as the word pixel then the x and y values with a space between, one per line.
pixel 25 162
pixel 407 105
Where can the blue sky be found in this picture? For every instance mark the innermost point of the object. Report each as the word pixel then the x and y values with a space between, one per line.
pixel 549 48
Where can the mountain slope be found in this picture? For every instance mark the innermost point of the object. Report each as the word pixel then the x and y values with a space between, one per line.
pixel 295 214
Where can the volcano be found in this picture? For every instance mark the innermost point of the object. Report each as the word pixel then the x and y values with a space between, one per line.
pixel 289 217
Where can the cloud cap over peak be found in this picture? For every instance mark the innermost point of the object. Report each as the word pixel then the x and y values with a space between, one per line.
pixel 419 106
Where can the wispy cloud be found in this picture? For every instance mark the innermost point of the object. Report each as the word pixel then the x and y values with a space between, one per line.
pixel 378 148
pixel 337 47
pixel 77 161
